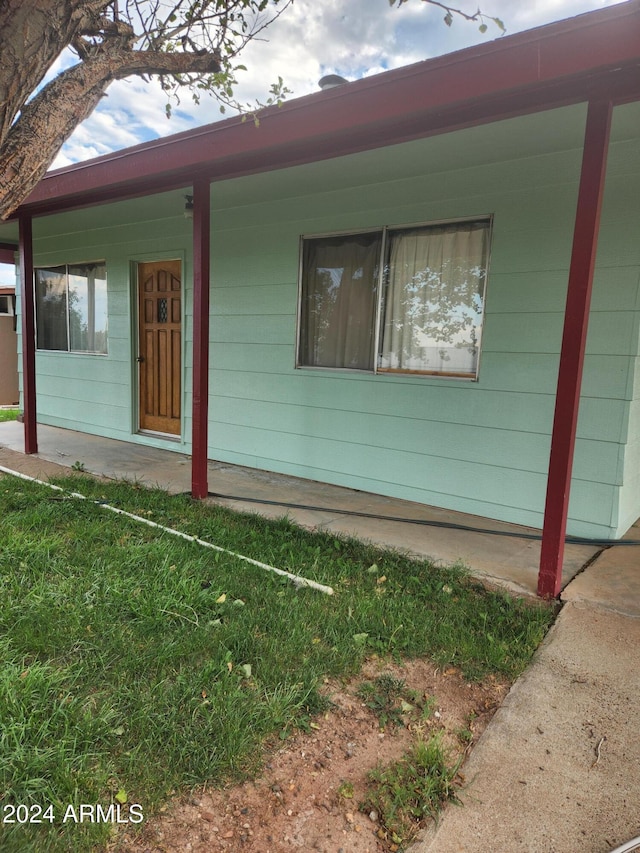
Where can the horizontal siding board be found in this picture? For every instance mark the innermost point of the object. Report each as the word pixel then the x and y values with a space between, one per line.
pixel 523 489
pixel 247 273
pixel 526 292
pixel 524 333
pixel 462 403
pixel 459 442
pixel 254 301
pixel 377 432
pixel 260 358
pixel 261 329
pixel 619 240
pixel 524 252
pixel 598 462
pixel 635 382
pixel 592 503
pixel 160 236
pixel 532 373
pixel 87 391
pixel 601 419
pixel 615 288
pixel 78 414
pixel 370 483
pixel 606 376
pixel 119 330
pixel 612 333
pixel 72 366
pixel 119 301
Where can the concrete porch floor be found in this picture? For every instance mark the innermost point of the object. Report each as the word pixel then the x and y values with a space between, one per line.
pixel 507 560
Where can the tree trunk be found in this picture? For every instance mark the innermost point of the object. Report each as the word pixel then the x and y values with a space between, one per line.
pixel 48 120
pixel 31 38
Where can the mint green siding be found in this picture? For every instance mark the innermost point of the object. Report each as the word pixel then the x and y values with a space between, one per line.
pixel 97 393
pixel 476 446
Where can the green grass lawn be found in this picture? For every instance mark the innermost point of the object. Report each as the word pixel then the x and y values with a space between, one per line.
pixel 8 414
pixel 135 664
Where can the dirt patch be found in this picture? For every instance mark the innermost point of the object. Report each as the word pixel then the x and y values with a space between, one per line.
pixel 307 797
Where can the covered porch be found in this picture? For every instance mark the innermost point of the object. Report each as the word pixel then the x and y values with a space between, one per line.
pixel 591 61
pixel 505 555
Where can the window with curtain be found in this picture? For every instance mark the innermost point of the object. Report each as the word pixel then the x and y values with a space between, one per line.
pixel 71 308
pixel 339 296
pixel 433 299
pixel 418 291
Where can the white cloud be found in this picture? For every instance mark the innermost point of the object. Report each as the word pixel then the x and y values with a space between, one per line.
pixel 353 38
pixel 7 275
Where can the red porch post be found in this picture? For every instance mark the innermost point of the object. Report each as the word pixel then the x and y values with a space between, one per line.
pixel 28 334
pixel 200 414
pixel 563 438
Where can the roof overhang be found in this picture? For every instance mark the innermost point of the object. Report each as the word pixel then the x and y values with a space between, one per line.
pixel 595 55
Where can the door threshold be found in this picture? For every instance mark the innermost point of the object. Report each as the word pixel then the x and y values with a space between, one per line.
pixel 165 436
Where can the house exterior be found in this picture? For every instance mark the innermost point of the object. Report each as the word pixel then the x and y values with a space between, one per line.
pixel 425 284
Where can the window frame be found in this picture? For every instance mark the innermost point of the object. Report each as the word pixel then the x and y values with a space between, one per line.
pixel 10 297
pixel 385 230
pixel 67 267
pixel 327 235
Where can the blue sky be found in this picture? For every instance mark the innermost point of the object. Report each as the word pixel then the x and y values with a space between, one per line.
pixel 353 38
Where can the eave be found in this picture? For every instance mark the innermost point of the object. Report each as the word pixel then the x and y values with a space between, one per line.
pixel 596 55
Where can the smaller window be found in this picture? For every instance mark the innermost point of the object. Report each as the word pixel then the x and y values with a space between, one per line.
pixel 6 305
pixel 71 308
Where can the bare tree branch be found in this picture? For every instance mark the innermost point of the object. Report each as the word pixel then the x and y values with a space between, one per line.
pixel 450 11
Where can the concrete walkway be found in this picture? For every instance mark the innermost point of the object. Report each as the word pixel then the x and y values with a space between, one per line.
pixel 558 768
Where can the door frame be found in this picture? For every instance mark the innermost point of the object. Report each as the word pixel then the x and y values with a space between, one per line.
pixel 134 264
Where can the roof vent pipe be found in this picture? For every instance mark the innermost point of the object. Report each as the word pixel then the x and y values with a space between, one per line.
pixel 330 81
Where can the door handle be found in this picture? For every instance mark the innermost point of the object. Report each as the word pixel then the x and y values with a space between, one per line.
pixel 140 359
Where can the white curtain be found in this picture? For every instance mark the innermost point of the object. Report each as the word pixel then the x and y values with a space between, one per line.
pixel 434 298
pixel 88 308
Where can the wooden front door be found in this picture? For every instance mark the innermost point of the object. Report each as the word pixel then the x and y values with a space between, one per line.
pixel 160 345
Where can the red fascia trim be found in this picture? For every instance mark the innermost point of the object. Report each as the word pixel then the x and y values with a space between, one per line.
pixel 417 125
pixel 326 124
